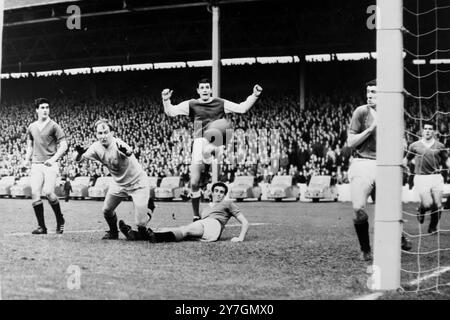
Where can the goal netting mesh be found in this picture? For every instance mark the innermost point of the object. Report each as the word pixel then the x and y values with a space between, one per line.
pixel 427 98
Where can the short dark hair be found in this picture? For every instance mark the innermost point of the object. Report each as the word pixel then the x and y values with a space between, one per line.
pixel 105 121
pixel 39 101
pixel 203 80
pixel 220 184
pixel 371 83
pixel 430 123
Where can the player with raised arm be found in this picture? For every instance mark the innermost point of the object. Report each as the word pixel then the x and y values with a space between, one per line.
pixel 129 179
pixel 362 171
pixel 46 143
pixel 429 155
pixel 204 111
pixel 209 228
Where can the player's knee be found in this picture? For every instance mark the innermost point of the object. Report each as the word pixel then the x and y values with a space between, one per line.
pixel 36 196
pixel 360 217
pixel 108 213
pixel 142 217
pixel 48 192
pixel 435 207
pixel 427 205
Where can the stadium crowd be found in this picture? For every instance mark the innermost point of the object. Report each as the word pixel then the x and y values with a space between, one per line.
pixel 272 138
pixel 275 137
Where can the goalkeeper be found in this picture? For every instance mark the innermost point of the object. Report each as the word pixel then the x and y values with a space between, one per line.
pixel 209 228
pixel 129 179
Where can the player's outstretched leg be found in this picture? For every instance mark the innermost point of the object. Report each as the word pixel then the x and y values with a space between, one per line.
pixel 38 208
pixel 172 235
pixel 133 235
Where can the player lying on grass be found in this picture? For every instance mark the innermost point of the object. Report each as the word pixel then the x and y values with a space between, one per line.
pixel 429 155
pixel 129 179
pixel 203 111
pixel 208 228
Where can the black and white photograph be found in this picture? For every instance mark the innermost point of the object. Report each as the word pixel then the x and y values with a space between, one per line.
pixel 221 157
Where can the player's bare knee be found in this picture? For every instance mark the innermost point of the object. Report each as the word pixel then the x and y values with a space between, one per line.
pixel 427 205
pixel 51 196
pixel 360 217
pixel 142 218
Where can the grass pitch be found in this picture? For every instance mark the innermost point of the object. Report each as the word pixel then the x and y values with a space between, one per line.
pixel 293 250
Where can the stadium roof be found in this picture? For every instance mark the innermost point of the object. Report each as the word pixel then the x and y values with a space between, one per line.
pixel 19 4
pixel 117 32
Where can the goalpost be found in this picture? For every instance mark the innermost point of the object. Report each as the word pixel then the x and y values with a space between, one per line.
pixel 2 4
pixel 390 130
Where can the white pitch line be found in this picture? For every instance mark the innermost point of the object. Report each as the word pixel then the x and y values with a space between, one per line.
pixel 372 296
pixel 250 224
pixel 376 295
pixel 431 275
pixel 18 234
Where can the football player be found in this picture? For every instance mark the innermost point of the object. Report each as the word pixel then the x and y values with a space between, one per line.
pixel 129 179
pixel 209 228
pixel 46 143
pixel 429 155
pixel 203 111
pixel 362 171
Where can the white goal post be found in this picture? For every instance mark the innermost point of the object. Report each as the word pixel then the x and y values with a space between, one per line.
pixel 390 133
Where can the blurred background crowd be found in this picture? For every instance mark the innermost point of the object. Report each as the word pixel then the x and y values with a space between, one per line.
pixel 275 137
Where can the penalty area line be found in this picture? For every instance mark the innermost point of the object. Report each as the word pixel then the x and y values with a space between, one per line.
pixel 19 234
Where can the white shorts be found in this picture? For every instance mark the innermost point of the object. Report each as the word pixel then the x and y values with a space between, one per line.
pixel 42 169
pixel 363 168
pixel 139 192
pixel 212 229
pixel 43 178
pixel 198 157
pixel 197 151
pixel 427 183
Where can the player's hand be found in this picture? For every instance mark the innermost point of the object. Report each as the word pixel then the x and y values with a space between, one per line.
pixel 79 150
pixel 166 94
pixel 406 169
pixel 257 89
pixel 50 162
pixel 373 126
pixel 236 239
pixel 126 151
